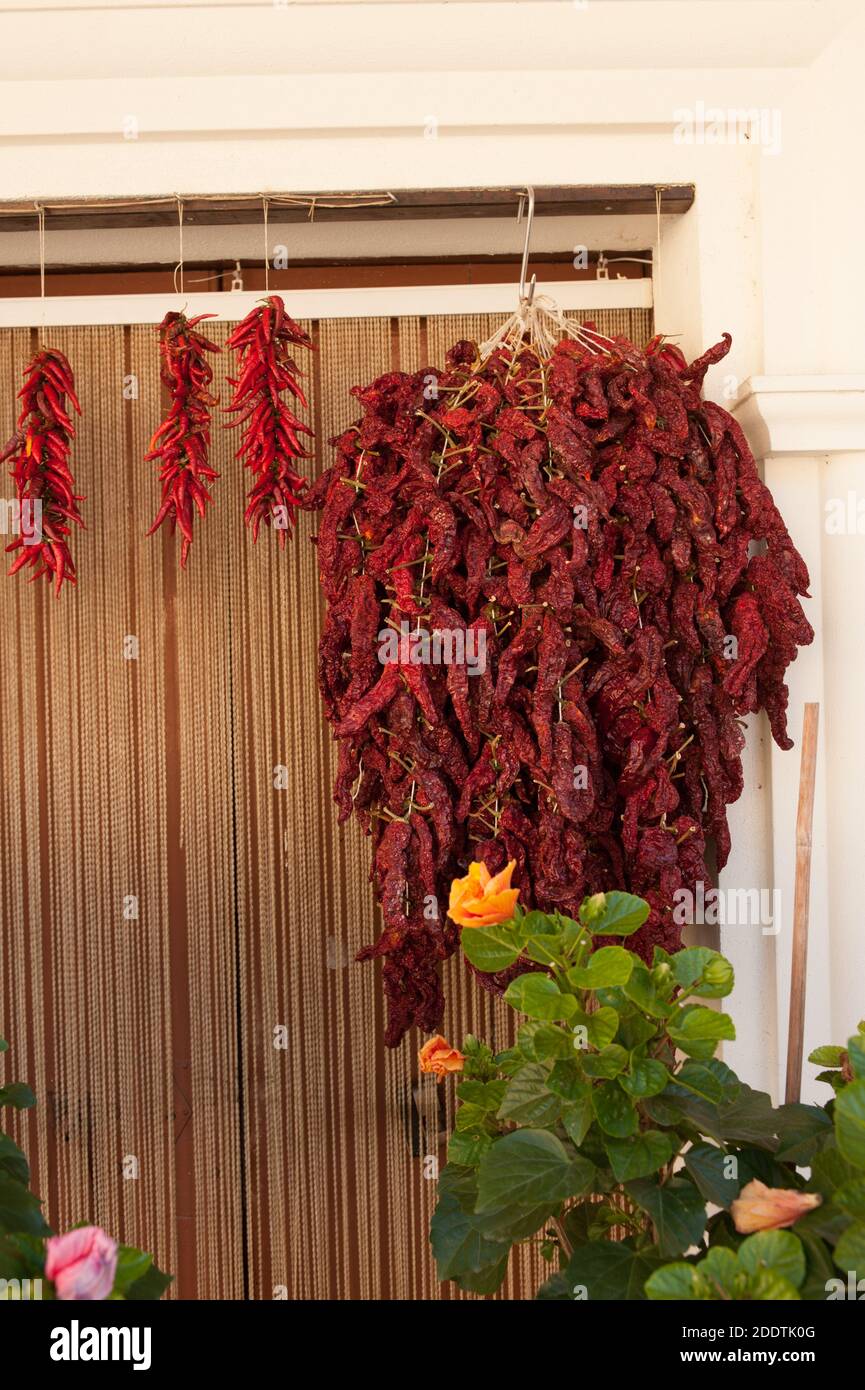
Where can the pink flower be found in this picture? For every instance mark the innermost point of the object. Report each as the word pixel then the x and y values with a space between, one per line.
pixel 81 1264
pixel 762 1208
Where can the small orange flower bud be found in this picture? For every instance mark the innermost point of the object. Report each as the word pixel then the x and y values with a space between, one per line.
pixel 762 1208
pixel 438 1058
pixel 482 899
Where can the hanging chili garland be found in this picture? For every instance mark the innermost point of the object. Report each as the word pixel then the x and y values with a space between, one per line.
pixel 182 441
pixel 585 520
pixel 40 452
pixel 270 444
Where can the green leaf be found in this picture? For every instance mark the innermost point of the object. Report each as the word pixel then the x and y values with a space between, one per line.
pixel 769 1287
pixel 614 1111
pixel 527 1101
pixel 697 1030
pixel 22 1257
pixel 690 1100
pixel 673 1283
pixel 640 1155
pixel 830 1171
pixel 850 1251
pixel 556 1289
pixel 826 1056
pixel 546 949
pixel 607 1063
pixel 486 1095
pixel 749 1119
pixel 828 1222
pixel 458 1247
pixel 485 1281
pixel 602 1219
pixel 611 1271
pixel 778 1251
pixel 538 996
pixel 803 1130
pixel 703 972
pixel 12 1161
pixel 566 1080
pixel 677 1210
pixel 718 1272
pixel 820 1268
pixel 601 1026
pixel 150 1287
pixel 613 914
pixel 610 965
pixel 491 948
pixel 635 1029
pixel 856 1055
pixel 472 1118
pixel 850 1123
pixel 528 1167
pixel 538 924
pixel 708 1166
pixel 642 991
pixel 16 1094
pixel 20 1210
pixel 479 1062
pixel 467 1150
pixel 702 1082
pixel 727 1078
pixel 667 1109
pixel 540 1042
pixel 834 1079
pixel 850 1197
pixel 577 1117
pixel 132 1264
pixel 513 1223
pixel 647 1077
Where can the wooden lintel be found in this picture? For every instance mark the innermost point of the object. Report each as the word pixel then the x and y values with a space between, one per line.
pixel 577 200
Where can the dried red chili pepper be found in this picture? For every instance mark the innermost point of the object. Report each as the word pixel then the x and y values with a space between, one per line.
pixel 270 444
pixel 592 518
pixel 39 451
pixel 182 442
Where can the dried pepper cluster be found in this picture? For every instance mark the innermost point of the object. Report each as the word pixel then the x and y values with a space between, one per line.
pixel 39 450
pixel 594 518
pixel 182 442
pixel 269 445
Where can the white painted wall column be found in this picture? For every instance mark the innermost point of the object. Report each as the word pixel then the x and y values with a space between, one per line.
pixel 810 433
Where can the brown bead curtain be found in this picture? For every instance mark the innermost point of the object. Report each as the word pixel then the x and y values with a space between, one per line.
pixel 179 910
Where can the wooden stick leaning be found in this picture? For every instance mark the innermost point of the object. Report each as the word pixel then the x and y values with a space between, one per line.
pixel 799 963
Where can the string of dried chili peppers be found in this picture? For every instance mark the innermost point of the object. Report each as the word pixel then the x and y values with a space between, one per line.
pixel 40 451
pixel 589 517
pixel 182 442
pixel 270 444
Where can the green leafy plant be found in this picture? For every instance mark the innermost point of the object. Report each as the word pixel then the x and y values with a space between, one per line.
pixel 612 1115
pixel 24 1230
pixel 822 1253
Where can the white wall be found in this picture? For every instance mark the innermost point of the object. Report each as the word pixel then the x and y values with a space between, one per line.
pixel 256 97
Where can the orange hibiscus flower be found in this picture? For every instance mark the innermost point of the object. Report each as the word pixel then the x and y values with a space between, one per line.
pixel 439 1059
pixel 482 899
pixel 762 1208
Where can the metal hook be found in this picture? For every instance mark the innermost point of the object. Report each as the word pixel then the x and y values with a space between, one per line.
pixel 527 297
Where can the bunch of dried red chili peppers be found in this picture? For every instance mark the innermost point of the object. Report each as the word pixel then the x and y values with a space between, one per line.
pixel 182 442
pixel 39 450
pixel 269 444
pixel 587 521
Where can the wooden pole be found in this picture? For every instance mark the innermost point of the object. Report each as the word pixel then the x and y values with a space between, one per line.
pixel 799 964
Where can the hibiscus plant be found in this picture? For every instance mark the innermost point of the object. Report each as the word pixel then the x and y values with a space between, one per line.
pixel 84 1264
pixel 614 1137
